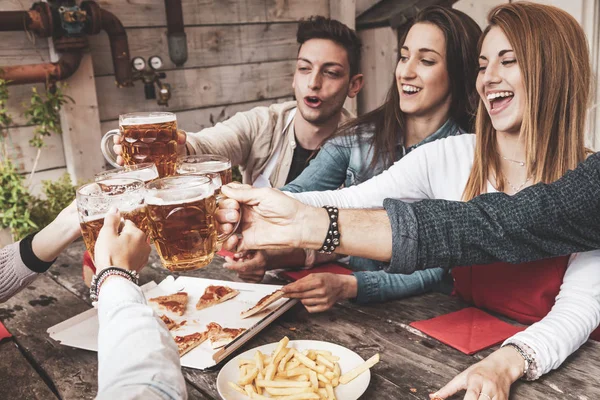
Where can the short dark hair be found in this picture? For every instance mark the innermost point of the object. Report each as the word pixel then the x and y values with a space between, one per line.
pixel 319 27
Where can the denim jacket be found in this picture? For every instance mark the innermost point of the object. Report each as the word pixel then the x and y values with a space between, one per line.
pixel 346 160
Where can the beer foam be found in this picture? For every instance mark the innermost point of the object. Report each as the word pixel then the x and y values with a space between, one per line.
pixel 122 210
pixel 164 199
pixel 147 118
pixel 141 174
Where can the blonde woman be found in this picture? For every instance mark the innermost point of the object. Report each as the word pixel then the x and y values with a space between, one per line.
pixel 534 84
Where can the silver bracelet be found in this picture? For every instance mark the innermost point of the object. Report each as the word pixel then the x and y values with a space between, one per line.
pixel 529 361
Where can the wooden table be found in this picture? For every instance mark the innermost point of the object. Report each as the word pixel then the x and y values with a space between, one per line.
pixel 34 366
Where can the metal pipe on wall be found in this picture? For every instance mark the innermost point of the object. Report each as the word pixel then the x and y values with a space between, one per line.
pixel 40 21
pixel 176 36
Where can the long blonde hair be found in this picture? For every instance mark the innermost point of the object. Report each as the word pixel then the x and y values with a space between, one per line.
pixel 552 53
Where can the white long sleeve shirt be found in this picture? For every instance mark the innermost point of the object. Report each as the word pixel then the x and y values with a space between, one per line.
pixel 440 170
pixel 137 356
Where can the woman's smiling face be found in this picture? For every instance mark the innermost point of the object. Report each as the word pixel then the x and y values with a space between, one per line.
pixel 500 82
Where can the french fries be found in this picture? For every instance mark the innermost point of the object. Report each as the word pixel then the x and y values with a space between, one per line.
pixel 290 374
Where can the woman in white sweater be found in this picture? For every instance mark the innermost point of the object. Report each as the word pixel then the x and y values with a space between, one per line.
pixel 526 75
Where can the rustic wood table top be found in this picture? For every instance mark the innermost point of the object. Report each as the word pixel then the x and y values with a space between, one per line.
pixel 412 365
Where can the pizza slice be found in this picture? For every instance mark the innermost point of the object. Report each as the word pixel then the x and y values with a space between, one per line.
pixel 262 304
pixel 171 325
pixel 175 303
pixel 214 295
pixel 220 336
pixel 188 342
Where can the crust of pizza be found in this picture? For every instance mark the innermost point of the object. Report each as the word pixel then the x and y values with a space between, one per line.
pixel 188 342
pixel 220 336
pixel 172 325
pixel 214 295
pixel 262 304
pixel 175 303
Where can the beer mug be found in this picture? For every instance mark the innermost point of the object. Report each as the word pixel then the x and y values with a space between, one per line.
pixel 206 164
pixel 95 199
pixel 181 215
pixel 145 172
pixel 147 137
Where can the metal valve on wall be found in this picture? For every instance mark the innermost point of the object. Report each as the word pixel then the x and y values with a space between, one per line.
pixel 148 73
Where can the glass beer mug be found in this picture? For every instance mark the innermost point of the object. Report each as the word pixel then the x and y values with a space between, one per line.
pixel 95 199
pixel 147 137
pixel 181 215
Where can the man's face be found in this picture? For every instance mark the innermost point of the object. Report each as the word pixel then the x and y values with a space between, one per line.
pixel 322 80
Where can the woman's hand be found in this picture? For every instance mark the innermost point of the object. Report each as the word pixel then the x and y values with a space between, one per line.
pixel 251 267
pixel 319 292
pixel 489 379
pixel 127 249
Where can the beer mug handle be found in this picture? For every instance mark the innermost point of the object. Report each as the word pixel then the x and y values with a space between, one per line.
pixel 224 236
pixel 106 145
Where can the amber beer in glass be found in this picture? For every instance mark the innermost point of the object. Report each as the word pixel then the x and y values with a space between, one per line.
pixel 147 137
pixel 206 164
pixel 145 172
pixel 95 199
pixel 181 215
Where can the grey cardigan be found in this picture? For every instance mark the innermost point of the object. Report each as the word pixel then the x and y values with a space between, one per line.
pixel 544 220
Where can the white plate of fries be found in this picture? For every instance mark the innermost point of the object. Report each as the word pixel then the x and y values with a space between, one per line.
pixel 296 370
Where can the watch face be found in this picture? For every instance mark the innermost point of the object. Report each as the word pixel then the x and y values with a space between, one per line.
pixel 138 63
pixel 156 62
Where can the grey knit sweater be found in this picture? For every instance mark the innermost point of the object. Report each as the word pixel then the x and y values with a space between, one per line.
pixel 539 222
pixel 14 274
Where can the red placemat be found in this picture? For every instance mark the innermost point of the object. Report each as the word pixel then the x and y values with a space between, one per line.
pixel 469 330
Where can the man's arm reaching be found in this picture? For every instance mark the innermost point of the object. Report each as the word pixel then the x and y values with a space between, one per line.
pixel 541 221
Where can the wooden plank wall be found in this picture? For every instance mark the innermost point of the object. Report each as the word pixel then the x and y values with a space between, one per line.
pixel 17 48
pixel 380 51
pixel 241 54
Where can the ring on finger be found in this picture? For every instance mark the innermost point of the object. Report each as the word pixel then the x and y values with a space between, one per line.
pixel 486 396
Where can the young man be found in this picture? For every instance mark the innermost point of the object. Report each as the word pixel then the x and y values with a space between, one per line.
pixel 272 145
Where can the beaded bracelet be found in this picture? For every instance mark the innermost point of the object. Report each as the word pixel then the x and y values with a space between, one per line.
pixel 100 278
pixel 332 240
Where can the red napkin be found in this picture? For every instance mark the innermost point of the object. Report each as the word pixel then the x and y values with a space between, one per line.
pixel 333 268
pixel 3 332
pixel 469 330
pixel 225 253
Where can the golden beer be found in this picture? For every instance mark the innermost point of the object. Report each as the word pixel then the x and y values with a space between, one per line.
pixel 206 164
pixel 94 200
pixel 146 172
pixel 150 137
pixel 91 228
pixel 180 213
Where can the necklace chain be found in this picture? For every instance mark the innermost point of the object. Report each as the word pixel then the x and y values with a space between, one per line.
pixel 521 163
pixel 517 189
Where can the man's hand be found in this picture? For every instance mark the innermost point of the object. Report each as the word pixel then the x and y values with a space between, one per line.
pixel 319 292
pixel 128 250
pixel 270 219
pixel 250 268
pixel 118 147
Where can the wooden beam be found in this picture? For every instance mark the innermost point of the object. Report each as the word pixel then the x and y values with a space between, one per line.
pixel 203 87
pixel 52 155
pixel 378 64
pixel 345 12
pixel 81 123
pixel 207 45
pixel 211 12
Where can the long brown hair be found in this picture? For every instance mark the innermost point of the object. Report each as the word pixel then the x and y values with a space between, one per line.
pixel 461 33
pixel 552 54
